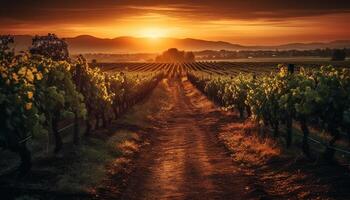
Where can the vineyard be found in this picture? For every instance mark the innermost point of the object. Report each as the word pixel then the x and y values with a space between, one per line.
pixel 304 105
pixel 213 68
pixel 174 100
pixel 38 95
pixel 279 101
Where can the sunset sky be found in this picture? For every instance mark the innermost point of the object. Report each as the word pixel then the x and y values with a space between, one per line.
pixel 246 22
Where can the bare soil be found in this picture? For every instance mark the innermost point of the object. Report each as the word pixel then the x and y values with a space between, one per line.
pixel 185 159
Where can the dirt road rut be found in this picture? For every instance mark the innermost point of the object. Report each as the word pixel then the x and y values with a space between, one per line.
pixel 185 160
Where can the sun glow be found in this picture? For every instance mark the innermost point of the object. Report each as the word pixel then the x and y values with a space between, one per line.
pixel 153 33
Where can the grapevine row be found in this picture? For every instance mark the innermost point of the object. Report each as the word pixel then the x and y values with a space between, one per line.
pixel 310 97
pixel 37 93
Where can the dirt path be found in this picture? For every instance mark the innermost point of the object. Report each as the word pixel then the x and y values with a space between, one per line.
pixel 186 160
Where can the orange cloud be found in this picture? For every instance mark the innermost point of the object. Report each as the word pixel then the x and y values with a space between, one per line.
pixel 246 22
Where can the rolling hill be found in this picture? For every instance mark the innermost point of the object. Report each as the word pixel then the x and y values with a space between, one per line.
pixel 91 44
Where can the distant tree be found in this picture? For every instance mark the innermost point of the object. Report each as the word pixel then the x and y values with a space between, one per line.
pixel 339 55
pixel 94 62
pixel 347 52
pixel 174 55
pixel 50 46
pixel 6 53
pixel 158 58
pixel 5 41
pixel 189 56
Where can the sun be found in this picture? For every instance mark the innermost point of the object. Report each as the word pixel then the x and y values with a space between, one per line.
pixel 153 33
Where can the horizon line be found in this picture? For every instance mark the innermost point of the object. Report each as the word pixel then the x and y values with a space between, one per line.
pixel 184 38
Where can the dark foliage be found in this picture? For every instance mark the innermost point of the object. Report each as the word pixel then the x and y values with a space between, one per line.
pixel 50 46
pixel 6 53
pixel 339 55
pixel 174 55
pixel 226 54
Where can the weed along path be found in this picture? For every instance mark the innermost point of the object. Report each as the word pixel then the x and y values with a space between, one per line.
pixel 185 159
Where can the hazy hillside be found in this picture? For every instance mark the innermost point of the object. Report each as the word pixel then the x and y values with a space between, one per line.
pixel 90 44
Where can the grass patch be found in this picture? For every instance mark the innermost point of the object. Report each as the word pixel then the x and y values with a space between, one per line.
pixel 247 147
pixel 159 99
pixel 280 172
pixel 88 166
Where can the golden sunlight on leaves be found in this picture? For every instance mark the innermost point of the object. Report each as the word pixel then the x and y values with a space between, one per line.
pixel 22 71
pixel 30 76
pixel 30 95
pixel 28 106
pixel 39 76
pixel 15 77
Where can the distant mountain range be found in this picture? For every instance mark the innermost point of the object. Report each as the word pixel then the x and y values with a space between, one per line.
pixel 89 44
